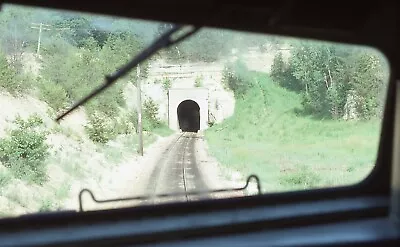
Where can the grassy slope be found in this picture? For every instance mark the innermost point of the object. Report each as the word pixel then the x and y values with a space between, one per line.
pixel 289 151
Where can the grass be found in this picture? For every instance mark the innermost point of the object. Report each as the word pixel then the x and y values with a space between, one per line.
pixel 63 192
pixel 17 198
pixel 51 203
pixel 126 145
pixel 72 166
pixel 163 130
pixel 5 178
pixel 47 205
pixel 288 151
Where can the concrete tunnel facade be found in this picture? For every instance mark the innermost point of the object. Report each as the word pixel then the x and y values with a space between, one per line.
pixel 188 109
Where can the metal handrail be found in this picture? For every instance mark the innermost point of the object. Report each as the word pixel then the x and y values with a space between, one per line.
pixel 192 193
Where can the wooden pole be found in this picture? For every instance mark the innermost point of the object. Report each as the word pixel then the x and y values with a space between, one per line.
pixel 41 27
pixel 40 36
pixel 139 112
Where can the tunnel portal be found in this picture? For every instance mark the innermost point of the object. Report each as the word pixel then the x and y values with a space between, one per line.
pixel 179 99
pixel 189 116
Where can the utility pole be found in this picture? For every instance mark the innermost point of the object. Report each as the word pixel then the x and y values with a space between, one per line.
pixel 139 111
pixel 41 27
pixel 40 36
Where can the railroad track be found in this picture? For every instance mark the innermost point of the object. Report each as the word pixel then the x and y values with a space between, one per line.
pixel 176 178
pixel 177 172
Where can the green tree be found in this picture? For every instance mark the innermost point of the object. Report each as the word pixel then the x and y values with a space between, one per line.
pixel 314 66
pixel 79 70
pixel 7 74
pixel 368 82
pixel 10 79
pixel 328 74
pixel 198 82
pixel 278 67
pixel 100 128
pixel 25 151
pixel 236 78
pixel 79 28
pixel 150 115
pixel 166 84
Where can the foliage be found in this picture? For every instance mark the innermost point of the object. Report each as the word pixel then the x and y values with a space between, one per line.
pixel 327 75
pixel 78 29
pixel 206 45
pixel 166 84
pixel 198 82
pixel 209 45
pixel 235 77
pixel 24 151
pixel 10 80
pixel 368 81
pixel 99 128
pixel 150 115
pixel 80 70
pixel 282 74
pixel 5 178
pixel 47 205
pixel 303 178
pixel 126 124
pixel 162 130
pixel 102 129
pixel 278 67
pixel 288 150
pixel 53 94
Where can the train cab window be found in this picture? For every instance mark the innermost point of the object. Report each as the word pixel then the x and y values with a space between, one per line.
pixel 213 109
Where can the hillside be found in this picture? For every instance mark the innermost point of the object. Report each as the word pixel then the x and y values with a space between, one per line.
pixel 72 161
pixel 269 135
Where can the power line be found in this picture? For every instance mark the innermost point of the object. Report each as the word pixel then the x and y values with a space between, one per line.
pixel 45 27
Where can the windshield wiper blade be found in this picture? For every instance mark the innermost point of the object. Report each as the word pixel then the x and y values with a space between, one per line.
pixel 164 41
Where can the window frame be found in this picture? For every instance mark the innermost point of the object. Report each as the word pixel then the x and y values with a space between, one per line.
pixel 382 182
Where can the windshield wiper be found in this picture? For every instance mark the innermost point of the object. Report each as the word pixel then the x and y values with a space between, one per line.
pixel 164 41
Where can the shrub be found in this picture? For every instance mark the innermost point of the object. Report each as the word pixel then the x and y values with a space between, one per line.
pixel 236 78
pixel 47 205
pixel 9 78
pixel 126 124
pixel 278 68
pixel 5 178
pixel 53 94
pixel 25 151
pixel 150 118
pixel 198 82
pixel 99 128
pixel 108 103
pixel 166 84
pixel 304 177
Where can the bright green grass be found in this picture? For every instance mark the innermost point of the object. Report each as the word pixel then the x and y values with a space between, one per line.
pixel 290 151
pixel 163 130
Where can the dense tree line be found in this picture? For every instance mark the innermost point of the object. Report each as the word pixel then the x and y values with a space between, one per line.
pixel 209 44
pixel 334 80
pixel 77 52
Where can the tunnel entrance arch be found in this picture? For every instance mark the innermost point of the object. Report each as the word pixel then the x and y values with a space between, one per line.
pixel 189 116
pixel 188 109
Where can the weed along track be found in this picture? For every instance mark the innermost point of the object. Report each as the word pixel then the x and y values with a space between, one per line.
pixel 177 172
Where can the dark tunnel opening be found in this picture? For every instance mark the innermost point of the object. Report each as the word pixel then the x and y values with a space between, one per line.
pixel 189 116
